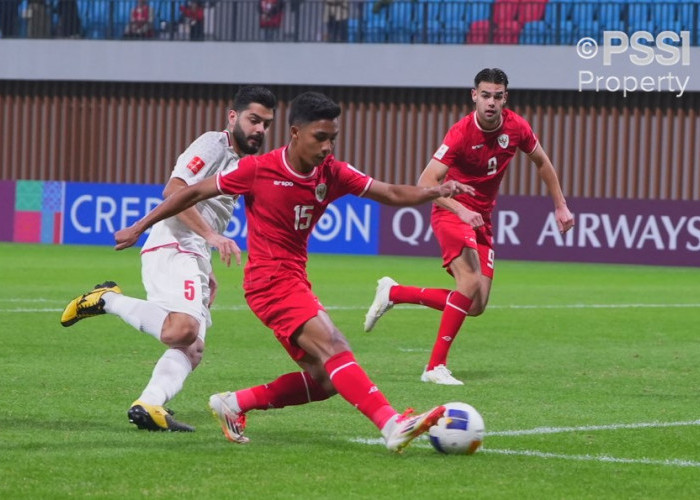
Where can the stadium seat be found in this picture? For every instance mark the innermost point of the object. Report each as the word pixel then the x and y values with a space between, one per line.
pixel 536 33
pixel 559 29
pixel 507 32
pixel 400 27
pixel 479 10
pixel 354 35
pixel 531 10
pixel 374 26
pixel 639 16
pixel 584 16
pixel 610 15
pixel 454 21
pixel 479 32
pixel 427 27
pixel 505 11
pixel 689 16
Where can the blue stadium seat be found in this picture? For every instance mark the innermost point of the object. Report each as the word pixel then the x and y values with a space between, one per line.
pixel 354 35
pixel 536 33
pixel 557 16
pixel 689 15
pixel 610 15
pixel 454 21
pixel 479 10
pixel 584 16
pixel 427 25
pixel 374 26
pixel 665 16
pixel 639 16
pixel 400 27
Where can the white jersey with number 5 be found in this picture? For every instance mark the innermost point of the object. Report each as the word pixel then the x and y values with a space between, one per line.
pixel 209 154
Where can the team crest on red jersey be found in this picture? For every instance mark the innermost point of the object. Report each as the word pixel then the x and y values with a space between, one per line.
pixel 195 165
pixel 321 191
pixel 503 140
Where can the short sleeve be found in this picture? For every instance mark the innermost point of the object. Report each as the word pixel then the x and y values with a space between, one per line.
pixel 449 150
pixel 528 141
pixel 239 181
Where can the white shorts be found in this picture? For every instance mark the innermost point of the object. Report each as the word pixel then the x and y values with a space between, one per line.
pixel 178 282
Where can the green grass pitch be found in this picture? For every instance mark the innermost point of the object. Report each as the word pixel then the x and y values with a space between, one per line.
pixel 587 377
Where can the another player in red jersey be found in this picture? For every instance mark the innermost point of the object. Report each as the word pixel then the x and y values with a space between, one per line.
pixel 286 192
pixel 475 151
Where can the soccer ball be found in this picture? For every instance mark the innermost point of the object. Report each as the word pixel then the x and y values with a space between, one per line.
pixel 459 431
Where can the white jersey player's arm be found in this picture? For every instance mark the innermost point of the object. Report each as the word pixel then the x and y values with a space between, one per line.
pixel 194 220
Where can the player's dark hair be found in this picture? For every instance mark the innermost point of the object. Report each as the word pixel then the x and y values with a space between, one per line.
pixel 253 93
pixel 491 75
pixel 311 106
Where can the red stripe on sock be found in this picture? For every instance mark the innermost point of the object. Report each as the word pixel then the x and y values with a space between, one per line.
pixel 351 382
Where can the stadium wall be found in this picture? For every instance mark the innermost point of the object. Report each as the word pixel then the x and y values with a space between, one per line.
pixel 645 146
pixel 119 113
pixel 620 231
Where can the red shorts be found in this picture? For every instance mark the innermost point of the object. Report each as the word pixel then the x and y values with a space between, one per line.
pixel 453 235
pixel 284 304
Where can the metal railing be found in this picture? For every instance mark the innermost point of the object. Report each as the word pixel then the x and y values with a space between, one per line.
pixel 546 22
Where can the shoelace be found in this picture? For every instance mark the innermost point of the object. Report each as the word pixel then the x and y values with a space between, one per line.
pixel 405 415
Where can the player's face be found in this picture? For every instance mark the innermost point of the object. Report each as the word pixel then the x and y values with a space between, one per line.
pixel 489 99
pixel 314 141
pixel 250 127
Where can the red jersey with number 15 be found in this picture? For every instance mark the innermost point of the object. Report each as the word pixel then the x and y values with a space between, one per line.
pixel 480 158
pixel 283 206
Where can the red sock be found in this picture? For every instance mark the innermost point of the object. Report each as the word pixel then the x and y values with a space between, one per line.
pixel 296 388
pixel 435 298
pixel 452 319
pixel 351 382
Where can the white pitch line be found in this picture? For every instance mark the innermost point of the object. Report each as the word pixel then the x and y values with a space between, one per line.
pixel 596 458
pixel 555 430
pixel 422 442
pixel 242 307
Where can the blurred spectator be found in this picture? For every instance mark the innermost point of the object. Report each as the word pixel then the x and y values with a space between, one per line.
pixel 38 19
pixel 68 19
pixel 193 17
pixel 9 18
pixel 335 17
pixel 271 17
pixel 140 21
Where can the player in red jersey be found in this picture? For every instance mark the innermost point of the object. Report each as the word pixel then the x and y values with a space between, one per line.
pixel 286 191
pixel 475 151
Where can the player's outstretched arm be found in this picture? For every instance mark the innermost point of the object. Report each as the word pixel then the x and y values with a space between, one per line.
pixel 407 195
pixel 179 201
pixel 546 171
pixel 433 174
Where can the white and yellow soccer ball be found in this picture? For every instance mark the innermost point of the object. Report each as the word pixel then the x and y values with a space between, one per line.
pixel 460 430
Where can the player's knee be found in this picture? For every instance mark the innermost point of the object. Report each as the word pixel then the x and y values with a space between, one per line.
pixel 478 306
pixel 180 331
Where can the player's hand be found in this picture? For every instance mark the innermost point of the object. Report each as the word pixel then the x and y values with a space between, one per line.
pixel 213 288
pixel 474 219
pixel 126 237
pixel 565 220
pixel 226 247
pixel 452 188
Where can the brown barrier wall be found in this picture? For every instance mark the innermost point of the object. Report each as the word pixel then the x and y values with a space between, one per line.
pixel 603 145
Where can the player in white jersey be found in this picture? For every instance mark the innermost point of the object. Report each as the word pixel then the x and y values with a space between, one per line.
pixel 176 261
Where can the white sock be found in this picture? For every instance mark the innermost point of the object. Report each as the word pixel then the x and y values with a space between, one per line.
pixel 168 377
pixel 141 314
pixel 389 426
pixel 231 401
